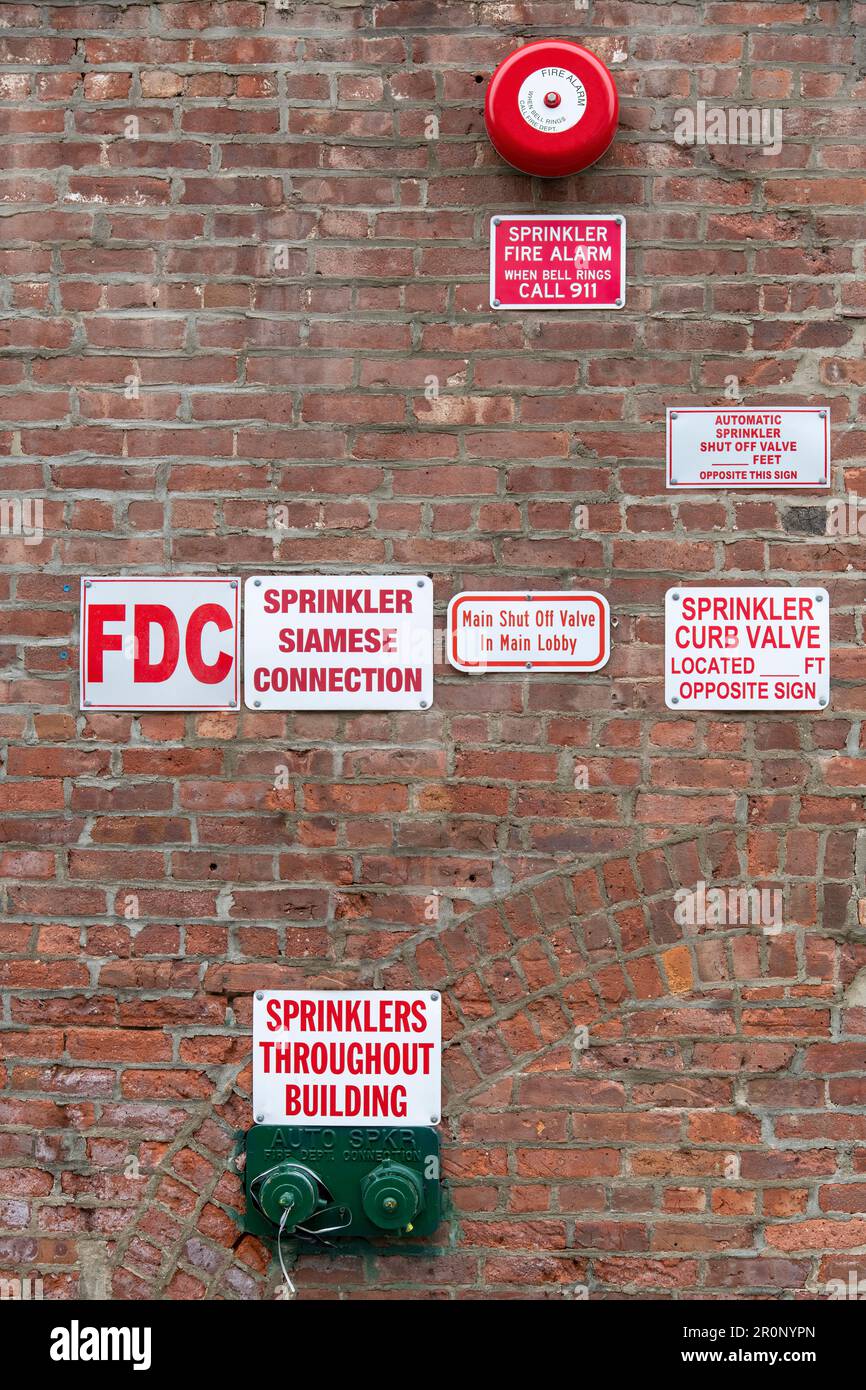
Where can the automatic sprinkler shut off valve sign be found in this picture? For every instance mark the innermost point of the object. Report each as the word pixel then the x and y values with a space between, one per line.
pixel 775 447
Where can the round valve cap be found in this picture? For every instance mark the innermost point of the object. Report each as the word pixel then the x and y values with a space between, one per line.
pixel 551 108
pixel 391 1196
pixel 289 1187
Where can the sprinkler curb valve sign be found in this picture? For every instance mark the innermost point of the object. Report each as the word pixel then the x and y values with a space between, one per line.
pixel 557 631
pixel 747 648
pixel 347 1057
pixel 776 447
pixel 355 641
pixel 168 643
pixel 555 262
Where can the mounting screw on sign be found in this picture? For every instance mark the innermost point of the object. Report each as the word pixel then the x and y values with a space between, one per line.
pixel 551 108
pixel 167 643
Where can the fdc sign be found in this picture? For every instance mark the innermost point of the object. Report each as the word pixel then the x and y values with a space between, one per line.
pixel 160 644
pixel 345 1057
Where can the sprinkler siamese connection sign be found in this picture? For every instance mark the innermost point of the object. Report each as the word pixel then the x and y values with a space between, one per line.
pixel 355 641
pixel 575 262
pixel 749 648
pixel 780 447
pixel 558 631
pixel 346 1056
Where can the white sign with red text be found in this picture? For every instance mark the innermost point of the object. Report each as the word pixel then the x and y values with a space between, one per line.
pixel 160 644
pixel 778 447
pixel 556 631
pixel 344 1057
pixel 747 648
pixel 354 641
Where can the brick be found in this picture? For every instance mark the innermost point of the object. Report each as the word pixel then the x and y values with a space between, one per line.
pixel 153 257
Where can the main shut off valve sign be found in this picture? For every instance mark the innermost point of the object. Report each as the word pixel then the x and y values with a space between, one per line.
pixel 344 1057
pixel 538 631
pixel 747 648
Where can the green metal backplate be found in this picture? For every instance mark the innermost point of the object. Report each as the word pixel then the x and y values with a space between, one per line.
pixel 341 1157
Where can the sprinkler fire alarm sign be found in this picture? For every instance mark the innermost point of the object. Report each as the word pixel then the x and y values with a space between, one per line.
pixel 574 262
pixel 747 648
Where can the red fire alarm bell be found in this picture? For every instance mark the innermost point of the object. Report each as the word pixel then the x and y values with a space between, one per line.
pixel 551 108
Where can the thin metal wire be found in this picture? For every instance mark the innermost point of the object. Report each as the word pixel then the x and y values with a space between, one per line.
pixel 345 1220
pixel 283 1219
pixel 301 1232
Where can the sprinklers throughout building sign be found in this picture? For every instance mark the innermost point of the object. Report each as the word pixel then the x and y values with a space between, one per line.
pixel 342 1057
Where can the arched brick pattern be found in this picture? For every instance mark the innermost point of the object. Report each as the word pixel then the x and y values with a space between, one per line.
pixel 700 1139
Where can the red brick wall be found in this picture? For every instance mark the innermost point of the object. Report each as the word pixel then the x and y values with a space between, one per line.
pixel 712 1136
